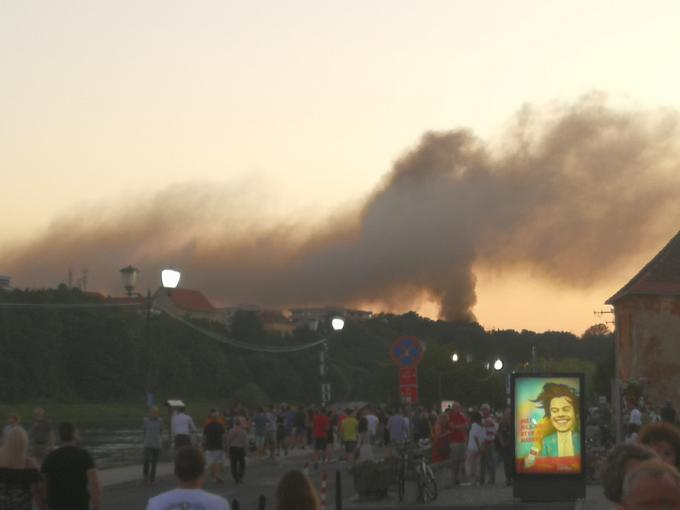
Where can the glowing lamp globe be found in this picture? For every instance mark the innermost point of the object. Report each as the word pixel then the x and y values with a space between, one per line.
pixel 337 323
pixel 170 278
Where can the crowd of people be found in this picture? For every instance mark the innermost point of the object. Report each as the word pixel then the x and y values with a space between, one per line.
pixel 34 470
pixel 473 442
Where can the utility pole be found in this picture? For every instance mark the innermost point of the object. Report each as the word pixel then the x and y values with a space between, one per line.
pixel 323 372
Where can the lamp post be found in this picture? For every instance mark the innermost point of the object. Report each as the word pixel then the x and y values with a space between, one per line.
pixel 169 279
pixel 337 323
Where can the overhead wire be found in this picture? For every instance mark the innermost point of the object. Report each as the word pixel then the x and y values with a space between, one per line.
pixel 210 334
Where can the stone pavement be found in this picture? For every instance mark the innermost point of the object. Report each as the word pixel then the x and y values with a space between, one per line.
pixel 485 497
pixel 496 496
pixel 126 474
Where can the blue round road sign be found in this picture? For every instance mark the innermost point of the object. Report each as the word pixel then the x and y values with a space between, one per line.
pixel 406 351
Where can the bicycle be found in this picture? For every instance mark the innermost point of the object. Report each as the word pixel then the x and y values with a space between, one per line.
pixel 415 457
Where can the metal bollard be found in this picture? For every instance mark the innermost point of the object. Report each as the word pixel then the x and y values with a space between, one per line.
pixel 324 486
pixel 235 505
pixel 338 490
pixel 261 502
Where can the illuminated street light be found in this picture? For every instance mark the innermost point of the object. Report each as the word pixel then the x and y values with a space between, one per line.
pixel 498 365
pixel 170 278
pixel 337 323
pixel 454 357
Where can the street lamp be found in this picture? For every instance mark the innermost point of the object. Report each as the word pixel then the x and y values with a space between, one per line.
pixel 129 276
pixel 337 323
pixel 455 357
pixel 169 279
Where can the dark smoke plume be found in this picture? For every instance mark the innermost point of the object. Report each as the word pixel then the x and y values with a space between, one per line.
pixel 572 191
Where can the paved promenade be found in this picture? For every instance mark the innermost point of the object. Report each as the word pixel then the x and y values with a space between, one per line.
pixel 122 489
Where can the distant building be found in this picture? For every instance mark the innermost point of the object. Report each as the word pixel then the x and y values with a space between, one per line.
pixel 5 282
pixel 313 317
pixel 273 321
pixel 647 314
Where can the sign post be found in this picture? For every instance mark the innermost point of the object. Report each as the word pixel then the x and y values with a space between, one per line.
pixel 407 353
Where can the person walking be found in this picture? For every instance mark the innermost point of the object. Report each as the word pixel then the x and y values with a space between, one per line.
pixel 213 439
pixel 398 428
pixel 348 434
pixel 320 426
pixel 12 422
pixel 19 474
pixel 182 427
pixel 504 436
pixel 270 432
pixel 474 448
pixel 190 471
pixel 71 478
pixel 458 425
pixel 41 435
pixel 237 441
pixel 364 446
pixel 152 428
pixel 488 451
pixel 260 430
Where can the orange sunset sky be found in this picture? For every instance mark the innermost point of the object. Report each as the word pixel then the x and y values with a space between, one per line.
pixel 295 113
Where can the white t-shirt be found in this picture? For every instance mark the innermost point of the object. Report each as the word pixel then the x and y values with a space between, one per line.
pixel 187 499
pixel 372 422
pixel 183 424
pixel 635 417
pixel 476 431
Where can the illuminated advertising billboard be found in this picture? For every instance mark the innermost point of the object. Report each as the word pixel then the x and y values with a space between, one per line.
pixel 549 438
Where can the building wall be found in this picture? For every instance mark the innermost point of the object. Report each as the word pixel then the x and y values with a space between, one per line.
pixel 648 344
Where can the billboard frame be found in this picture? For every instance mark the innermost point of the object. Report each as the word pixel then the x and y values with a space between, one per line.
pixel 549 486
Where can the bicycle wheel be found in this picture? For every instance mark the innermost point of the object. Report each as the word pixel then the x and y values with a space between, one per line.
pixel 401 488
pixel 428 484
pixel 401 481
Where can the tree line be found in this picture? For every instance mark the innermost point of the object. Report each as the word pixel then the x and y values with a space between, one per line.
pixel 100 354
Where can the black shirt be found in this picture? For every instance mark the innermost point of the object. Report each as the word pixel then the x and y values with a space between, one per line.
pixel 214 432
pixel 66 472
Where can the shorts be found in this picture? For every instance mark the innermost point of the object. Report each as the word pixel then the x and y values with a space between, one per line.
pixel 319 444
pixel 182 440
pixel 350 446
pixel 214 457
pixel 259 442
pixel 457 452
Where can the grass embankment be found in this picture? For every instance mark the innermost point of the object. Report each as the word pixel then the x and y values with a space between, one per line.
pixel 110 413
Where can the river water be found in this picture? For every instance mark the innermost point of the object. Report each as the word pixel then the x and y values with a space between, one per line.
pixel 116 446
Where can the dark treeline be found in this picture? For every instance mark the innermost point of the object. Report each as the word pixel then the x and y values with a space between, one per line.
pixel 100 354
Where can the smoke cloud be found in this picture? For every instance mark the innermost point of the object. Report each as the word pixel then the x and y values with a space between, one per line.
pixel 570 190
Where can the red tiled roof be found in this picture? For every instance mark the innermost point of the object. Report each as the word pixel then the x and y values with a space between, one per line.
pixel 660 277
pixel 190 300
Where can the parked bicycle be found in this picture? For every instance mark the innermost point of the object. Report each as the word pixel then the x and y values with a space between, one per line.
pixel 415 458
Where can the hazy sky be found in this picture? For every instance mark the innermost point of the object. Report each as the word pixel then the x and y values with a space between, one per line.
pixel 303 108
